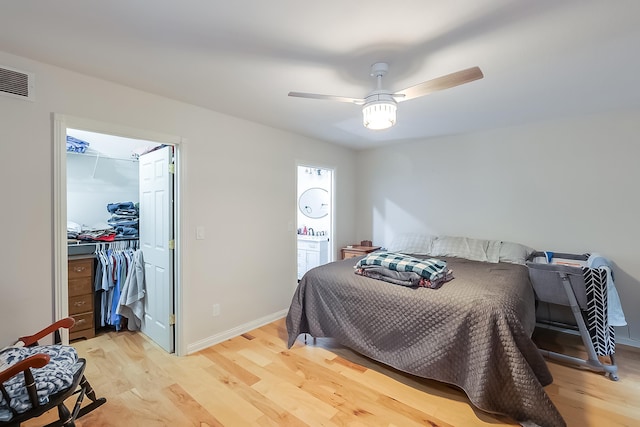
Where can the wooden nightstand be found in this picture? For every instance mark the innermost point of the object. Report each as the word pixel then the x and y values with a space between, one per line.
pixel 357 250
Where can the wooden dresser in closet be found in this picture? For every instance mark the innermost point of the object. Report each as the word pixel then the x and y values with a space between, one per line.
pixel 80 282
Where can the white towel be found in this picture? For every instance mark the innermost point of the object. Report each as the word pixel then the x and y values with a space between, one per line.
pixel 130 304
pixel 614 307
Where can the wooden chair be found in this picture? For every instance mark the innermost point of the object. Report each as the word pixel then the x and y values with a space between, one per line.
pixel 35 379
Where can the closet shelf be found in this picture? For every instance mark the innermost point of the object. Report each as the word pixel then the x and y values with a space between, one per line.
pixel 99 155
pixel 76 242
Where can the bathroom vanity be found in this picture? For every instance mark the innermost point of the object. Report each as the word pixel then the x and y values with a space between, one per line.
pixel 312 252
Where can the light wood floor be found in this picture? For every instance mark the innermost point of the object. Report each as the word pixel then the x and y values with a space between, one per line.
pixel 254 380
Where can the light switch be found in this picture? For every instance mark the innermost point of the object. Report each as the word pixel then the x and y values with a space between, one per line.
pixel 200 232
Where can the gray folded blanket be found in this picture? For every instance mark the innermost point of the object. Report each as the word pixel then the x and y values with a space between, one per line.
pixel 403 278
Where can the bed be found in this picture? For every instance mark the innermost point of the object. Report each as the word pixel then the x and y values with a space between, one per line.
pixel 473 331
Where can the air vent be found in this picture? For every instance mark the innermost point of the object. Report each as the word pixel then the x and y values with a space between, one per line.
pixel 17 84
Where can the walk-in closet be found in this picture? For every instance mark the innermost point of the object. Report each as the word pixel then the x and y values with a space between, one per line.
pixel 106 270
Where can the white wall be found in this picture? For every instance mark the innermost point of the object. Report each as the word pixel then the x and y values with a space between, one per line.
pixel 92 183
pixel 566 186
pixel 107 172
pixel 247 262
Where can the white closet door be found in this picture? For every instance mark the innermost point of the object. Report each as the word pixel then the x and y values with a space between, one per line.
pixel 156 231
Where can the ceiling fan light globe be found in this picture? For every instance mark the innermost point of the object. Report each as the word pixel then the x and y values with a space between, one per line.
pixel 379 115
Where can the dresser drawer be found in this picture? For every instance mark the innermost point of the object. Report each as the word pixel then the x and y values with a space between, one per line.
pixel 75 334
pixel 80 268
pixel 308 246
pixel 357 250
pixel 80 286
pixel 83 321
pixel 81 304
pixel 349 254
pixel 80 297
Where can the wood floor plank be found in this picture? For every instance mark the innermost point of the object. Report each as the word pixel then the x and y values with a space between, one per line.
pixel 301 404
pixel 255 380
pixel 192 410
pixel 319 381
pixel 269 408
pixel 233 368
pixel 438 397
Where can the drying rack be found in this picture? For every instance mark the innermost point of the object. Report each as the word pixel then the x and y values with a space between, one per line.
pixel 566 280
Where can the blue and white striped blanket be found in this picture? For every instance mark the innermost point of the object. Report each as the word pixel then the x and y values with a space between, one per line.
pixel 55 376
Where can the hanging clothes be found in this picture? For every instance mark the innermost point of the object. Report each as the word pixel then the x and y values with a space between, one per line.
pixel 113 267
pixel 131 304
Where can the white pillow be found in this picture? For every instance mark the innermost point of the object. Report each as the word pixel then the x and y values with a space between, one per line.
pixel 493 251
pixel 465 247
pixel 515 253
pixel 411 243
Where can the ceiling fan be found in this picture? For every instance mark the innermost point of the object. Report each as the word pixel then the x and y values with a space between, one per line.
pixel 379 107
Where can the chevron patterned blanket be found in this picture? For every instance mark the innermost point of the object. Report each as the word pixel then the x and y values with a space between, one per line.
pixel 601 332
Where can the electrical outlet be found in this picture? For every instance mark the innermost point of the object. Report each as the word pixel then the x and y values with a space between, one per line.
pixel 216 310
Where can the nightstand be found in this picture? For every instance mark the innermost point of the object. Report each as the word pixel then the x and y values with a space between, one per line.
pixel 357 250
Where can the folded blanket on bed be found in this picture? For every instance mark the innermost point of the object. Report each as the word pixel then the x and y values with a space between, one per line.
pixel 431 269
pixel 403 278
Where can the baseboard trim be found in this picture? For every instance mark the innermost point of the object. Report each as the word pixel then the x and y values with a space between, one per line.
pixel 628 342
pixel 619 340
pixel 234 332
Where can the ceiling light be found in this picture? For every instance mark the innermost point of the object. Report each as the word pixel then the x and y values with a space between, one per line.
pixel 379 112
pixel 379 107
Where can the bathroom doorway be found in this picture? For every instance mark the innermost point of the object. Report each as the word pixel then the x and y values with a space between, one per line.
pixel 314 217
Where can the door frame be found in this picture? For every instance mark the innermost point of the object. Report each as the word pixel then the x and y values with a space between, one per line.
pixel 332 212
pixel 60 253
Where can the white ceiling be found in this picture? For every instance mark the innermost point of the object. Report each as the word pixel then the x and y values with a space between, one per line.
pixel 541 59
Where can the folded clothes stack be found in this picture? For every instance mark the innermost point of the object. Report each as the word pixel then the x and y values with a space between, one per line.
pixel 104 235
pixel 75 145
pixel 124 218
pixel 99 232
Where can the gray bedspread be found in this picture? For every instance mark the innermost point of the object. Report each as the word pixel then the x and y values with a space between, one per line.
pixel 473 332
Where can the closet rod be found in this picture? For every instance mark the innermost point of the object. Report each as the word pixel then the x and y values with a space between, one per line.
pixel 101 156
pixel 93 242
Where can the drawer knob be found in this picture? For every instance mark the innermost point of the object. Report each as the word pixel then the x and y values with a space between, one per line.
pixel 79 303
pixel 78 269
pixel 80 322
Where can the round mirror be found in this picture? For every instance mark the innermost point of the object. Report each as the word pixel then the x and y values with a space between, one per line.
pixel 314 202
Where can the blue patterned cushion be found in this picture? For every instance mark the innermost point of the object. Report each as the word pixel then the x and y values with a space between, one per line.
pixel 54 377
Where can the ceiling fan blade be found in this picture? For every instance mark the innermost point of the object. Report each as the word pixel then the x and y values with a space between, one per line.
pixel 439 83
pixel 357 101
